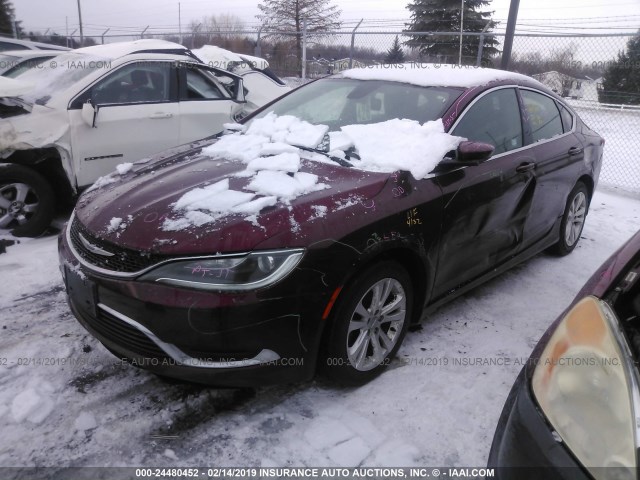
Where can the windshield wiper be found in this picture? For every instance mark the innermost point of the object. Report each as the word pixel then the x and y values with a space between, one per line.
pixel 340 161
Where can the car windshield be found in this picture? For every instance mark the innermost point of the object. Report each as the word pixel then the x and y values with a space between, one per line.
pixel 338 102
pixel 59 74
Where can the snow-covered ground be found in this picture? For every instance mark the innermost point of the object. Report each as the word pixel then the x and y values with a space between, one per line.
pixel 78 406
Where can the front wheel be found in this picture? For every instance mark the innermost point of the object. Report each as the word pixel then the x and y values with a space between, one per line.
pixel 26 201
pixel 369 324
pixel 575 215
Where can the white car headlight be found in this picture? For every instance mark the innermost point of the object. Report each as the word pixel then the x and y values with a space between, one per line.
pixel 586 385
pixel 229 273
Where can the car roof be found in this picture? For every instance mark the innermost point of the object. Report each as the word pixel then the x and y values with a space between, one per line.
pixel 121 49
pixel 438 75
pixel 30 53
pixel 31 45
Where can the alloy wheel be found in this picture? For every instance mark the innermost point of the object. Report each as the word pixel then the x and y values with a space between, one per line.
pixel 575 218
pixel 376 324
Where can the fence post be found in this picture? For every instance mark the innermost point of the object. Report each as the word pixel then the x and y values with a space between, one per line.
pixel 104 33
pixel 142 34
pixel 481 44
pixel 353 40
pixel 258 50
pixel 193 35
pixel 304 48
pixel 508 39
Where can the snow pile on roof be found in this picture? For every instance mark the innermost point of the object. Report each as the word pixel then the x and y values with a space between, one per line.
pixel 120 49
pixel 433 74
pixel 401 145
pixel 228 60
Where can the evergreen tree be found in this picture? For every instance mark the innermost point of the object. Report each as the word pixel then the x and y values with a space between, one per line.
pixel 621 81
pixel 444 16
pixel 7 18
pixel 395 53
pixel 286 18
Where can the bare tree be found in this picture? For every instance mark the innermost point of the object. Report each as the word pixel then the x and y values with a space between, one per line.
pixel 286 18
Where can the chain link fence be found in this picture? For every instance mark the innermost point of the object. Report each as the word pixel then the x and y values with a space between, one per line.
pixel 571 65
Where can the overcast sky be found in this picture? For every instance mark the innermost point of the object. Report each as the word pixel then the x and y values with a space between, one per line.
pixel 162 15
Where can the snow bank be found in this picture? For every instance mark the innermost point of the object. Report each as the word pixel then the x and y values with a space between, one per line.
pixel 434 74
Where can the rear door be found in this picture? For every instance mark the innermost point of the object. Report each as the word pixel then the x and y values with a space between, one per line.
pixel 485 206
pixel 205 103
pixel 558 154
pixel 137 117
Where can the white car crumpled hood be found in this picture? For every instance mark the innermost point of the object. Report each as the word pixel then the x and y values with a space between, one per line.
pixel 43 127
pixel 10 87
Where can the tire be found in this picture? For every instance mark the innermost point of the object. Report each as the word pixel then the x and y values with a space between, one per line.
pixel 352 325
pixel 573 219
pixel 27 202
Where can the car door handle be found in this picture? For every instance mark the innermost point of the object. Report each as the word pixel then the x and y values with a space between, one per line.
pixel 158 115
pixel 575 150
pixel 525 167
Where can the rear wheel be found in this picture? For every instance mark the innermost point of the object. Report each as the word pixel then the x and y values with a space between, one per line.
pixel 575 214
pixel 26 201
pixel 369 324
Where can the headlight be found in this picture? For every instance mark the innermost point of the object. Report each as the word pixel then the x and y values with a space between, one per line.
pixel 587 387
pixel 232 273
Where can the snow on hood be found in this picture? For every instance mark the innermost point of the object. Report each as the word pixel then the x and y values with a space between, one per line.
pixel 268 147
pixel 434 74
pixel 11 87
pixel 400 145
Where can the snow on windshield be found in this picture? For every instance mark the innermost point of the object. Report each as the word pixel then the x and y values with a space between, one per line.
pixel 269 148
pixel 59 74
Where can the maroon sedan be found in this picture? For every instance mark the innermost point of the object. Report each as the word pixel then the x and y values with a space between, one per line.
pixel 311 236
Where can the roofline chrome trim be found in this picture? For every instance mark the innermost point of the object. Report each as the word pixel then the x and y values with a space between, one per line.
pixel 531 145
pixel 182 359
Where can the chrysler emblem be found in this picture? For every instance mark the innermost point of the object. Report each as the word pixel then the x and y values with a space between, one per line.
pixel 93 248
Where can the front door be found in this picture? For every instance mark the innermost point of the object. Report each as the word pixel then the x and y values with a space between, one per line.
pixel 138 116
pixel 485 206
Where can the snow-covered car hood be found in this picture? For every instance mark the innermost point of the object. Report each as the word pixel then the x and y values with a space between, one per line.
pixel 137 209
pixel 11 87
pixel 259 181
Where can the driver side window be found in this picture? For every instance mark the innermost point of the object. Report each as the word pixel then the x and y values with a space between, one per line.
pixel 494 119
pixel 134 83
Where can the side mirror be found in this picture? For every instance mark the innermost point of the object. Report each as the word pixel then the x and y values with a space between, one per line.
pixel 475 152
pixel 468 154
pixel 89 113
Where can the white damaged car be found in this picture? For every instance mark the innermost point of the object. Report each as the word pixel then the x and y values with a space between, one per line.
pixel 261 83
pixel 65 125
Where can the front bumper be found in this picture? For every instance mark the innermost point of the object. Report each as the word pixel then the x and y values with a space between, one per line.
pixel 238 340
pixel 524 447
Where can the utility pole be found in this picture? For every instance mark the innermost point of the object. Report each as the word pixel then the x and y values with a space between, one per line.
pixel 511 29
pixel 66 29
pixel 461 22
pixel 179 24
pixel 80 20
pixel 304 48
